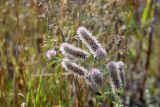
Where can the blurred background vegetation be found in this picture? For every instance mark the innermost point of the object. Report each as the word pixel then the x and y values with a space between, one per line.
pixel 128 29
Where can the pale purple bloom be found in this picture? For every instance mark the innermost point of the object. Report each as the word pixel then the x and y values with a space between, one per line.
pixel 97 76
pixel 121 69
pixel 90 81
pixel 50 53
pixel 71 51
pixel 73 67
pixel 90 41
pixel 100 52
pixel 120 64
pixel 114 75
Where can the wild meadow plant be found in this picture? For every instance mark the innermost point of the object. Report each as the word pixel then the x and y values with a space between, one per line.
pixel 106 80
pixel 93 45
pixel 70 51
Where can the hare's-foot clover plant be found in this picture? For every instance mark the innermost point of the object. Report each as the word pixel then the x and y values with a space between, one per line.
pixel 107 78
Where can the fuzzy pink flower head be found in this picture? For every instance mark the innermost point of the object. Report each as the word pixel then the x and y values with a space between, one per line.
pixel 88 39
pixel 100 52
pixel 114 75
pixel 80 29
pixel 50 53
pixel 71 51
pixel 97 76
pixel 73 67
pixel 63 47
pixel 121 68
pixel 91 42
pixel 95 71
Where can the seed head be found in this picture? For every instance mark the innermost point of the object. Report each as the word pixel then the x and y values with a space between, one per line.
pixel 90 81
pixel 121 69
pixel 100 52
pixel 73 67
pixel 97 76
pixel 71 51
pixel 114 76
pixel 90 41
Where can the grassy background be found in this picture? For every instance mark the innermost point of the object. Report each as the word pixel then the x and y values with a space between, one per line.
pixel 28 28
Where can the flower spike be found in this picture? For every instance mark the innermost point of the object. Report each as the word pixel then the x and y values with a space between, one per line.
pixel 71 51
pixel 121 69
pixel 114 76
pixel 73 67
pixel 97 76
pixel 90 41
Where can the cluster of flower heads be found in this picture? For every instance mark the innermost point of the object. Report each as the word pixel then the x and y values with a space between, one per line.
pixel 93 76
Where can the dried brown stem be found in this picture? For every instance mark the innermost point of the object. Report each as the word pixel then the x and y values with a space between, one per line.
pixel 53 11
pixel 148 58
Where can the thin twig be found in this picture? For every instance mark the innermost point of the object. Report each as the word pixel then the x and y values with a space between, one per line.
pixel 79 19
pixel 148 58
pixel 15 97
pixel 53 11
pixel 79 12
pixel 63 39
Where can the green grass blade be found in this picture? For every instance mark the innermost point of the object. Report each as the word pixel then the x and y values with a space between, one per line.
pixel 38 91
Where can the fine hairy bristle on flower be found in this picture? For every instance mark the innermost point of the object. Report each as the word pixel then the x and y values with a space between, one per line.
pixel 89 79
pixel 97 76
pixel 121 69
pixel 114 76
pixel 71 51
pixel 91 42
pixel 73 67
pixel 50 53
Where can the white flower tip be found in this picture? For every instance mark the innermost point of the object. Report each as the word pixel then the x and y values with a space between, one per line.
pixel 123 27
pixel 65 59
pixel 63 64
pixel 80 29
pixel 120 64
